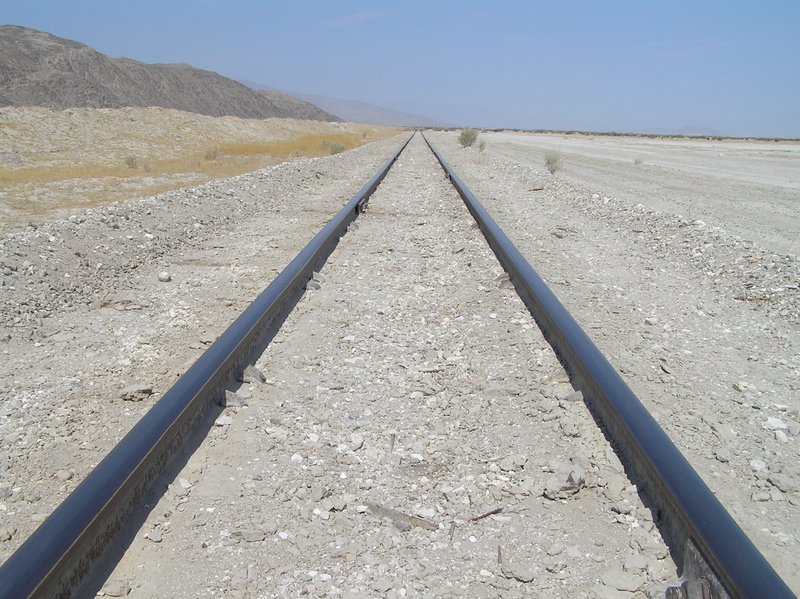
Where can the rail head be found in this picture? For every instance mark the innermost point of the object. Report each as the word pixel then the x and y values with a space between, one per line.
pixel 713 546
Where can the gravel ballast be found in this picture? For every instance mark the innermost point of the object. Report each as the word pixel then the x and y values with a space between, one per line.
pixel 415 436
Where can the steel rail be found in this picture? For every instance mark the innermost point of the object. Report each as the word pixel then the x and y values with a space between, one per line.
pixel 715 550
pixel 59 554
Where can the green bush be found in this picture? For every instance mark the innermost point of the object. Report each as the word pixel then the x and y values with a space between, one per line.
pixel 467 137
pixel 552 160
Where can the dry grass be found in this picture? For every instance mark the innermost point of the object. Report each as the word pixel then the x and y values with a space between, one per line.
pixel 306 146
pixel 226 159
pixel 170 151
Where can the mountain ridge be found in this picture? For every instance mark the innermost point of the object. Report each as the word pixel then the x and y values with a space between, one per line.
pixel 40 69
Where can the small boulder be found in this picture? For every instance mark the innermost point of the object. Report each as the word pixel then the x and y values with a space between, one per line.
pixel 116 588
pixel 232 400
pixel 563 485
pixel 252 374
pixel 136 392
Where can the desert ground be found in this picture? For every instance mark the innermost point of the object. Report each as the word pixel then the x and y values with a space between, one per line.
pixel 655 246
pixel 748 188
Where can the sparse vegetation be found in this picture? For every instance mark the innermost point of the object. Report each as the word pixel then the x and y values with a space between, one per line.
pixel 467 137
pixel 637 161
pixel 482 145
pixel 117 174
pixel 282 149
pixel 334 147
pixel 552 160
pixel 224 160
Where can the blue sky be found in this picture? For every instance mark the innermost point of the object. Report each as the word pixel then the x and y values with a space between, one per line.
pixel 643 66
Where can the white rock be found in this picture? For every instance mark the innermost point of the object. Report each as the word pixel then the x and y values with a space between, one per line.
pixel 775 424
pixel 635 563
pixel 357 362
pixel 622 581
pixel 428 512
pixel 357 441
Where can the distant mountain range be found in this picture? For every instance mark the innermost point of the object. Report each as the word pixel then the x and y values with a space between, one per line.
pixel 39 69
pixel 354 111
pixel 360 112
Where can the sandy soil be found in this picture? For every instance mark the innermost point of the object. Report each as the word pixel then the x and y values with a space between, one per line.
pixel 748 188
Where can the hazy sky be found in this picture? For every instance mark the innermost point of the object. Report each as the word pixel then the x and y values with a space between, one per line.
pixel 647 65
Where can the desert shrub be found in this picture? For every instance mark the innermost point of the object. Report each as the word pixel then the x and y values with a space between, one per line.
pixel 482 145
pixel 467 137
pixel 212 153
pixel 552 160
pixel 334 147
pixel 131 161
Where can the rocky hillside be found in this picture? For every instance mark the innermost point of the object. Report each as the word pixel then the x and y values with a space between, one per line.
pixel 299 108
pixel 39 69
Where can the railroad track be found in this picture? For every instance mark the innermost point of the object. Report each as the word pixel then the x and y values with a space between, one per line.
pixel 396 449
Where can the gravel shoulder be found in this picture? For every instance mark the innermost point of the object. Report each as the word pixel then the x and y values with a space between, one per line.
pixel 56 162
